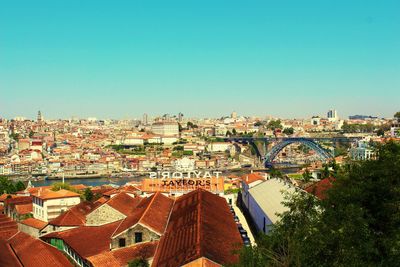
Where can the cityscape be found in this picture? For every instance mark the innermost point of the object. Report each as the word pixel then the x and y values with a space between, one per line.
pixel 210 134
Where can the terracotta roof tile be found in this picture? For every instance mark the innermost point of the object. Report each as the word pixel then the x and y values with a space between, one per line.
pixel 35 223
pixel 76 215
pixel 252 177
pixel 200 225
pixel 23 208
pixel 121 257
pixel 42 254
pixel 124 203
pixel 87 240
pixel 152 212
pixel 49 194
pixel 319 188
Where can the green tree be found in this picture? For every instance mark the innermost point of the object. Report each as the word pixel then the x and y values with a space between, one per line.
pixel 357 224
pixel 288 131
pixel 88 194
pixel 272 125
pixel 7 186
pixel 397 115
pixel 60 185
pixel 276 173
pixel 306 176
pixel 234 132
pixel 138 263
pixel 20 186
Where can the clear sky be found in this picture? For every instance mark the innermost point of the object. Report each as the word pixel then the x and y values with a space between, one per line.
pixel 119 59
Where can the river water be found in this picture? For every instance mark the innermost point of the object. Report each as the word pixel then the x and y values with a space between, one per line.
pixel 90 181
pixel 124 180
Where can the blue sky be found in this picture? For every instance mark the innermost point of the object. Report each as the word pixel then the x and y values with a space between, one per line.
pixel 119 59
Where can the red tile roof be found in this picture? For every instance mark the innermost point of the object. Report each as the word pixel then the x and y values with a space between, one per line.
pixel 31 252
pixel 319 188
pixel 76 215
pixel 35 223
pixel 18 200
pixel 120 203
pixel 23 208
pixel 87 240
pixel 252 177
pixel 152 212
pixel 200 225
pixel 8 227
pixel 7 256
pixel 49 194
pixel 121 257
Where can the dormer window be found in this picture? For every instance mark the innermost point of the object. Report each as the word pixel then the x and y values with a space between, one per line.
pixel 121 242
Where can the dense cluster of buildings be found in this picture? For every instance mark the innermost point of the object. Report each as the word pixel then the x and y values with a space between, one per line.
pixel 108 147
pixel 192 225
pixel 122 224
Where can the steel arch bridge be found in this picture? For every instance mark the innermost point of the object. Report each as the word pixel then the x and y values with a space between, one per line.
pixel 270 156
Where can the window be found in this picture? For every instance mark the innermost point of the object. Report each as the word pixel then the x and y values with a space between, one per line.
pixel 264 229
pixel 121 242
pixel 138 237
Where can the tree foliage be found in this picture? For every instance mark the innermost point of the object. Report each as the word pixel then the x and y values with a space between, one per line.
pixel 288 131
pixel 9 187
pixel 357 224
pixel 60 185
pixel 138 263
pixel 272 125
pixel 88 194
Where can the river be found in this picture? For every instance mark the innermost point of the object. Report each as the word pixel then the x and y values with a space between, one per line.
pixel 124 180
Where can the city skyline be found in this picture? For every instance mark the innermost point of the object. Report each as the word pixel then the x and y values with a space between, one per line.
pixel 95 59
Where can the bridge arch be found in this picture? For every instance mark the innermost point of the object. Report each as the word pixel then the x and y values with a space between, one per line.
pixel 270 156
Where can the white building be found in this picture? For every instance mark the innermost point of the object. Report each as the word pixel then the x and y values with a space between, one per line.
pixel 361 152
pixel 165 128
pixel 264 201
pixel 48 204
pixel 332 115
pixel 218 147
pixel 315 120
pixel 184 164
pixel 132 141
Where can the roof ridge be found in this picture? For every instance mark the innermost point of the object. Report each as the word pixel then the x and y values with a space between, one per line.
pixel 148 206
pixel 199 210
pixel 15 254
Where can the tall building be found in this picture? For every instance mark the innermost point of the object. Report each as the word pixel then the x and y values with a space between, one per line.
pixel 145 119
pixel 332 115
pixel 180 116
pixel 39 117
pixel 234 115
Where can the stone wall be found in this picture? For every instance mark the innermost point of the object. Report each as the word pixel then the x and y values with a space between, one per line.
pixel 103 215
pixel 129 235
pixel 28 230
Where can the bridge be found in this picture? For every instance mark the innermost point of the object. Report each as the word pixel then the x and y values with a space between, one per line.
pixel 282 142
